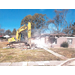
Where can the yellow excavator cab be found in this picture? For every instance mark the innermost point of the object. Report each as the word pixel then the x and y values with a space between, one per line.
pixel 11 39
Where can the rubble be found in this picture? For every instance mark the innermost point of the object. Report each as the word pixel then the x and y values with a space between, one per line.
pixel 19 44
pixel 22 45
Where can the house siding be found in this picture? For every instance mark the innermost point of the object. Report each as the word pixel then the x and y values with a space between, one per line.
pixel 65 39
pixel 60 40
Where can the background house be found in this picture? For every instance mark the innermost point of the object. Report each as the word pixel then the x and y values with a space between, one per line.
pixel 2 38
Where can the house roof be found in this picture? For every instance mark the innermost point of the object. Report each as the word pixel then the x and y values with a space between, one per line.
pixel 6 36
pixel 59 34
pixel 53 34
pixel 44 35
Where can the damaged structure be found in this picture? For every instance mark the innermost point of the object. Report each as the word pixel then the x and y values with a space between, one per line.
pixel 40 40
pixel 52 40
pixel 48 40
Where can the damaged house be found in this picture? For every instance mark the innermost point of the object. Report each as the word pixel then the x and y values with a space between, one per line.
pixel 52 40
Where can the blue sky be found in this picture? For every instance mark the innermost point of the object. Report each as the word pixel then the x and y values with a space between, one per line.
pixel 11 18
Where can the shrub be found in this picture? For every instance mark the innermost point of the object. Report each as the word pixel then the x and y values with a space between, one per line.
pixel 64 44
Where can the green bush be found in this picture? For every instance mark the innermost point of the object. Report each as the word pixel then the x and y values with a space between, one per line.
pixel 64 44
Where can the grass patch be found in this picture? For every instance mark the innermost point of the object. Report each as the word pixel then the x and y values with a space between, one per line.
pixel 67 52
pixel 18 55
pixel 0 55
pixel 7 58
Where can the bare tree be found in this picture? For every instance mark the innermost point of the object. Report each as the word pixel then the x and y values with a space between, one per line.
pixel 13 32
pixel 8 32
pixel 73 28
pixel 59 22
pixel 69 29
pixel 1 31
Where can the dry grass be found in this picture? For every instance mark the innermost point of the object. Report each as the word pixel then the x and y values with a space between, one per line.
pixel 17 55
pixel 67 52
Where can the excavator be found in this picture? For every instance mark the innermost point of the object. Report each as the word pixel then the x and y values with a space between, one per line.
pixel 12 42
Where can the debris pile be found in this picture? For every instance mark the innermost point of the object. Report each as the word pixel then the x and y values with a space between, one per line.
pixel 19 44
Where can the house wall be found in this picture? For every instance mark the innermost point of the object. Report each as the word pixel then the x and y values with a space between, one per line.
pixel 46 40
pixel 73 43
pixel 60 40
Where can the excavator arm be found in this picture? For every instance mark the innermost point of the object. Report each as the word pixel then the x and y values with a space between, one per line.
pixel 18 33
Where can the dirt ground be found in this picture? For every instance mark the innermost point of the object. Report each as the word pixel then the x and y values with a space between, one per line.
pixel 3 44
